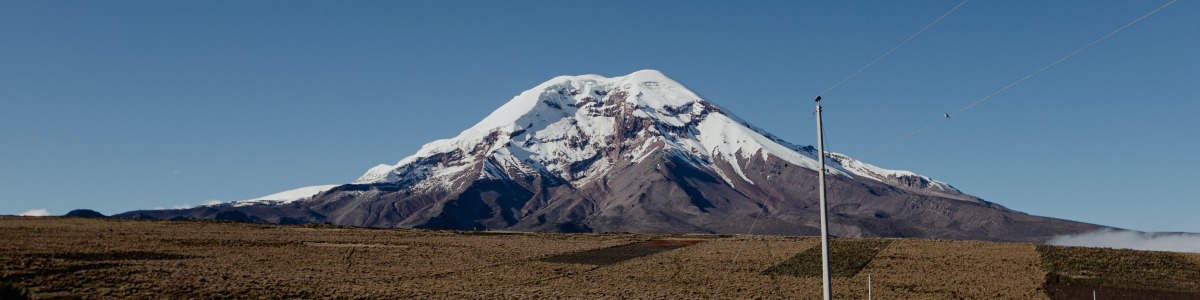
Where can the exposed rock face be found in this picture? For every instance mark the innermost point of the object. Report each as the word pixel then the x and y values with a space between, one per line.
pixel 638 153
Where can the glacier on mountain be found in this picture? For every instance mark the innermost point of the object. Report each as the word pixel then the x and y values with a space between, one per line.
pixel 561 124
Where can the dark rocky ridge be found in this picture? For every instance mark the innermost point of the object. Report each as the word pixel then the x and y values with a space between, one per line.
pixel 662 195
pixel 84 213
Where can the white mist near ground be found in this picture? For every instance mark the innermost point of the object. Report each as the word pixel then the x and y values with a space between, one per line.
pixel 1108 238
pixel 35 213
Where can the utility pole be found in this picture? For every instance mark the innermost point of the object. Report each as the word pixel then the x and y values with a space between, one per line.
pixel 827 287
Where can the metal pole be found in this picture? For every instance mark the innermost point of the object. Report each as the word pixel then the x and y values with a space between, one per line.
pixel 868 286
pixel 827 287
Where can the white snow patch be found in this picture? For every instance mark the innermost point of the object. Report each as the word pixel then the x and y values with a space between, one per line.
pixel 642 151
pixel 446 171
pixel 490 171
pixel 880 174
pixel 378 173
pixel 288 195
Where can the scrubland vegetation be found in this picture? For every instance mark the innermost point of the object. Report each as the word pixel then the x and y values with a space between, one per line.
pixel 106 258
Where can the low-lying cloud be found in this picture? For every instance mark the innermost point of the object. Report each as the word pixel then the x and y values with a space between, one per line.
pixel 35 213
pixel 1108 238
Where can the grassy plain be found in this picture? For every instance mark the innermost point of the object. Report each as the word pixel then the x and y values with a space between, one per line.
pixel 104 259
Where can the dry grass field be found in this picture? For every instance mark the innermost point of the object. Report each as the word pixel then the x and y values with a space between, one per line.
pixel 106 259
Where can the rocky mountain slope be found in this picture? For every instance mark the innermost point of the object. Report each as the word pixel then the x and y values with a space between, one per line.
pixel 638 153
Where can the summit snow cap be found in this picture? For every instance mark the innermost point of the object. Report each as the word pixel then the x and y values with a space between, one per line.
pixel 578 127
pixel 656 90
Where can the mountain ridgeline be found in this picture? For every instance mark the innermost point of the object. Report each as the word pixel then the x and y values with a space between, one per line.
pixel 636 153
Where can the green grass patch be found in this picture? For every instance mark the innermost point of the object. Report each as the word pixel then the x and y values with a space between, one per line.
pixel 617 254
pixel 846 258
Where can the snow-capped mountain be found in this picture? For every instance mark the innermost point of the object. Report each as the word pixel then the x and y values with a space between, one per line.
pixel 287 196
pixel 639 152
pixel 571 125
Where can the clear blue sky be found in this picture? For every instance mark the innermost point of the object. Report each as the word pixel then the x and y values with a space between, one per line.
pixel 124 105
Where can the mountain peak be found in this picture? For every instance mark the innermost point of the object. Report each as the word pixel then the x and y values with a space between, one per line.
pixel 647 75
pixel 639 152
pixel 569 119
pixel 576 128
pixel 644 88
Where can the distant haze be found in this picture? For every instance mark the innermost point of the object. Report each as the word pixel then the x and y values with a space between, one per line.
pixel 35 213
pixel 1108 238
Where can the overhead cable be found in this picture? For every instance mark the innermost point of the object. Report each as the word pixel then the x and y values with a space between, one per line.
pixel 1023 79
pixel 885 54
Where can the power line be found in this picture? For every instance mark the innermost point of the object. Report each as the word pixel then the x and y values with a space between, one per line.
pixel 738 254
pixel 1039 71
pixel 1019 81
pixel 885 54
pixel 906 136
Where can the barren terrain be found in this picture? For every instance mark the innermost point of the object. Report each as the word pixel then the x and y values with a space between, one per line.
pixel 108 258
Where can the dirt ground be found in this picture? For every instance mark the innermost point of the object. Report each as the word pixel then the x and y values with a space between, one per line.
pixel 105 258
pixel 1078 273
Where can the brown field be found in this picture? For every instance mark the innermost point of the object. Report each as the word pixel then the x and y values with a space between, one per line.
pixel 104 259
